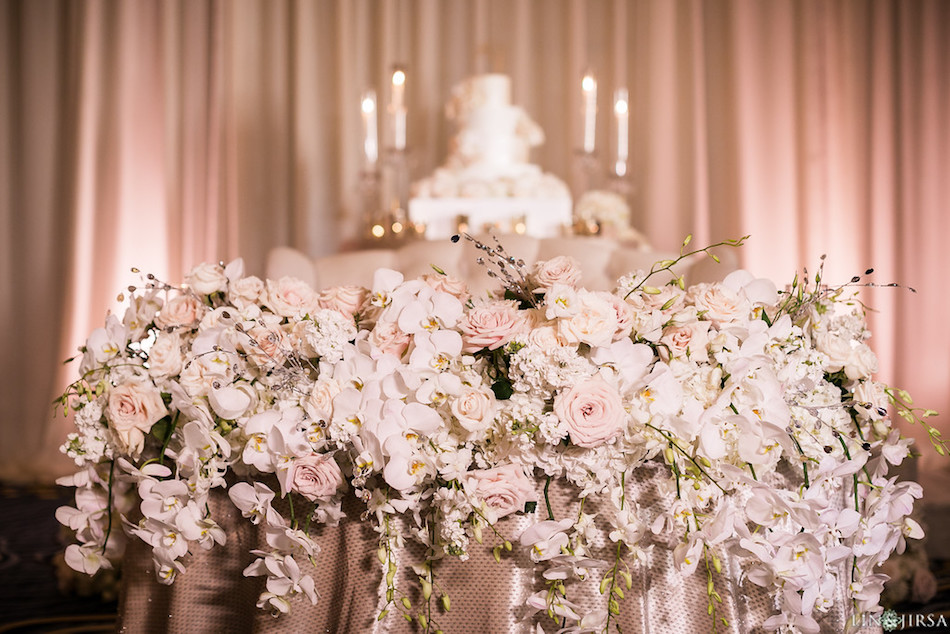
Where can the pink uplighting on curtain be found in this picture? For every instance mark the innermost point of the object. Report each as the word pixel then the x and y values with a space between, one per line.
pixel 175 132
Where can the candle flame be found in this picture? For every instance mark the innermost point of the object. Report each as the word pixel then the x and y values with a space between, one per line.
pixel 621 106
pixel 369 105
pixel 399 78
pixel 588 83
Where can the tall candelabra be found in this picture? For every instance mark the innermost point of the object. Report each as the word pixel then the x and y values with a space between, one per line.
pixel 385 180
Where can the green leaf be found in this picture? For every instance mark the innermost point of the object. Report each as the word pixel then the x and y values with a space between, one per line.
pixel 502 389
pixel 161 429
pixel 530 507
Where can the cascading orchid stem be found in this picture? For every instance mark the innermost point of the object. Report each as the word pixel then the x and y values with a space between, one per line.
pixel 667 265
pixel 672 441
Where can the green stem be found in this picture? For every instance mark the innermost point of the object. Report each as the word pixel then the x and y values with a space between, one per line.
pixel 105 542
pixel 804 463
pixel 666 265
pixel 672 440
pixel 547 499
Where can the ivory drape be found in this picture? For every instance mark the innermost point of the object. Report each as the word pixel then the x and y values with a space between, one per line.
pixel 157 134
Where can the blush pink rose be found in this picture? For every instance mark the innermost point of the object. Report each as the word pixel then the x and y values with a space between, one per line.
pixel 591 411
pixel 491 326
pixel 686 341
pixel 448 284
pixel 625 315
pixel 669 299
pixel 315 477
pixel 131 411
pixel 184 310
pixel 347 300
pixel 561 269
pixel 504 490
pixel 267 344
pixel 388 337
pixel 290 297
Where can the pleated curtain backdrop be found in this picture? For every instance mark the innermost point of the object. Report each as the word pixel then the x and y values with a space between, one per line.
pixel 158 134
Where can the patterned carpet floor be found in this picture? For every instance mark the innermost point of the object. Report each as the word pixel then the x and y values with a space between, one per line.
pixel 38 595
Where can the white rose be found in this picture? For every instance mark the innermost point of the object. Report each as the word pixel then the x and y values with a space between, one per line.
pixel 720 304
pixel 290 297
pixel 181 311
pixel 474 409
pixel 131 411
pixel 164 357
pixel 245 291
pixel 861 363
pixel 545 338
pixel 504 490
pixel 207 278
pixel 319 403
pixel 838 349
pixel 595 323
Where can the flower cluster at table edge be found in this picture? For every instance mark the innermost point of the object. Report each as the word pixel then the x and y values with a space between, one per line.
pixel 444 413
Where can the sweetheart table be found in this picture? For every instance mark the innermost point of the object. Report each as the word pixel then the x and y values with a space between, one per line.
pixel 409 457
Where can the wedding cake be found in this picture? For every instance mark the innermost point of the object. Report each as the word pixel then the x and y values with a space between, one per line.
pixel 488 177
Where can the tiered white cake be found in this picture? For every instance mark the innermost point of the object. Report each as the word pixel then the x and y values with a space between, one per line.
pixel 487 178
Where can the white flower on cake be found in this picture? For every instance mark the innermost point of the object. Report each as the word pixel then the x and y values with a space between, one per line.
pixel 750 417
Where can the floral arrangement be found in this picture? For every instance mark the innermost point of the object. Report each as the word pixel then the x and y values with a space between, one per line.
pixel 451 412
